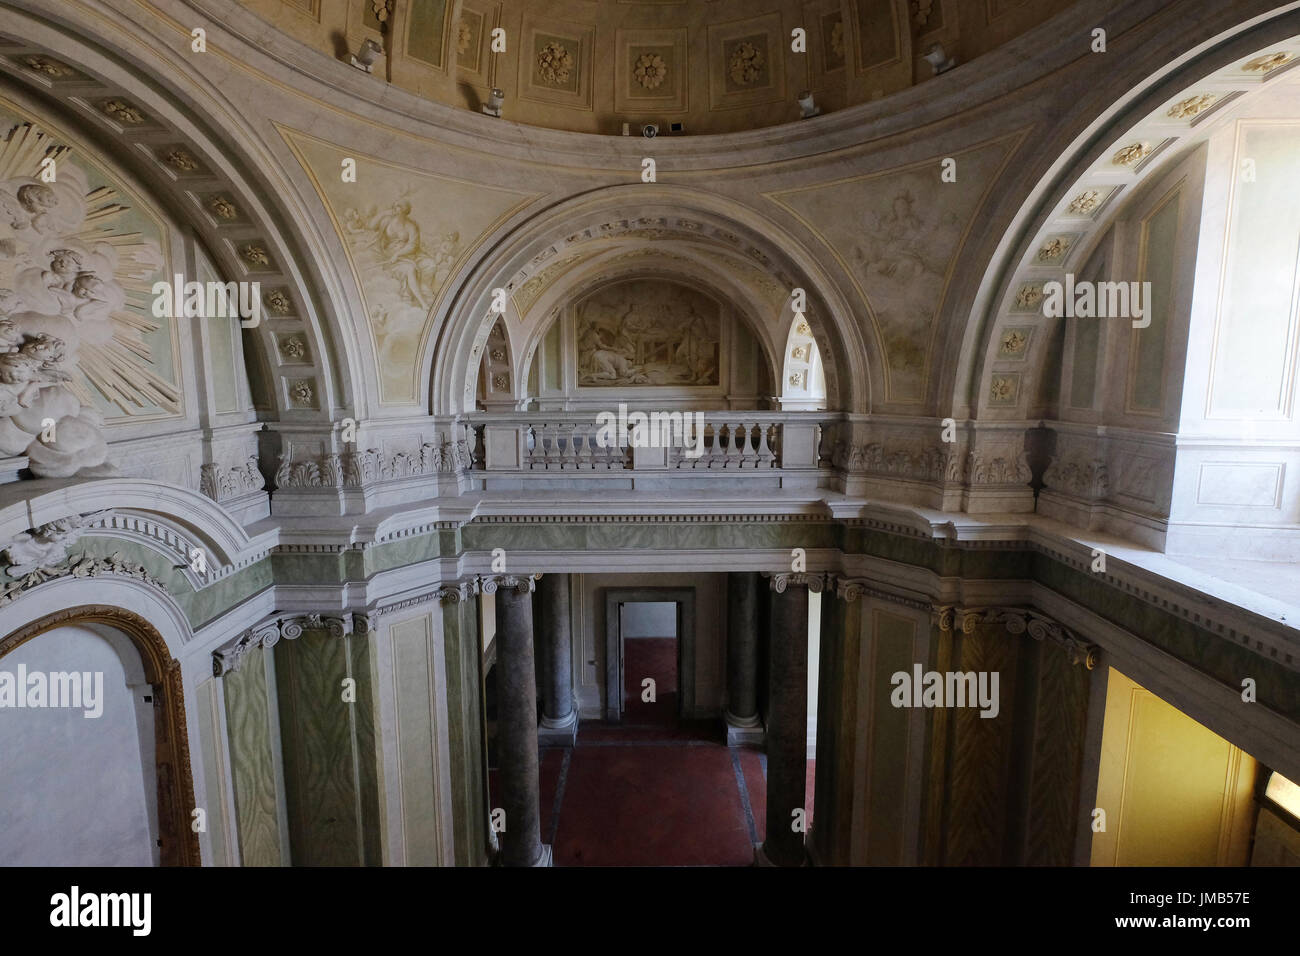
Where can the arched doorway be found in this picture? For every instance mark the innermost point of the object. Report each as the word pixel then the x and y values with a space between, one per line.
pixel 99 739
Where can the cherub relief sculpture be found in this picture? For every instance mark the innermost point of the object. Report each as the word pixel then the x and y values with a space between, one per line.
pixel 392 239
pixel 62 312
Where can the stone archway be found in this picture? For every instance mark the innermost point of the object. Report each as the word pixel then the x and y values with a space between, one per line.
pixel 179 843
pixel 644 215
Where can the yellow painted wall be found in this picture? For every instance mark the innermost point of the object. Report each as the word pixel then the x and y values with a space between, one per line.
pixel 1175 793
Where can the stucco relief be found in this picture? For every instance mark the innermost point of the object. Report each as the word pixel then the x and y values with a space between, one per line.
pixel 900 248
pixel 648 333
pixel 405 233
pixel 75 269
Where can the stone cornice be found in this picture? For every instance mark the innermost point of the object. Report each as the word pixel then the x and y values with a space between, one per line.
pixel 1019 620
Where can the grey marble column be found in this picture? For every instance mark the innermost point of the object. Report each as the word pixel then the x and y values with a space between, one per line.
pixel 741 713
pixel 559 724
pixel 787 719
pixel 521 843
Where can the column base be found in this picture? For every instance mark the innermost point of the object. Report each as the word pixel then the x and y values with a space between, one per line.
pixel 762 859
pixel 744 731
pixel 558 733
pixel 547 857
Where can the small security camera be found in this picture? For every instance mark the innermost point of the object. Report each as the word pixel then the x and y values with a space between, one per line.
pixel 649 130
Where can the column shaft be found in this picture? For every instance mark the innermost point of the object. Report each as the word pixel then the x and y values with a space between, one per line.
pixel 521 843
pixel 787 725
pixel 555 631
pixel 743 725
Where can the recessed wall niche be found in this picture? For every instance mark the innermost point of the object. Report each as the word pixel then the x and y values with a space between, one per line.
pixel 650 342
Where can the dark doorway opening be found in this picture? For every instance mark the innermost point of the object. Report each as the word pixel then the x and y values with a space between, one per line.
pixel 648 631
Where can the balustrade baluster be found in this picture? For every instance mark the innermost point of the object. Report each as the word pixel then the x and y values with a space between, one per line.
pixel 766 459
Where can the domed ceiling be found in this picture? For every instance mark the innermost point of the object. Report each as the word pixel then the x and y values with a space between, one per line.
pixel 687 67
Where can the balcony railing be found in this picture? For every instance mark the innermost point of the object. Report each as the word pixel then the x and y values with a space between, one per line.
pixel 727 441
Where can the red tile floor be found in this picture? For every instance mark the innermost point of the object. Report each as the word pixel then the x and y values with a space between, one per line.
pixel 654 790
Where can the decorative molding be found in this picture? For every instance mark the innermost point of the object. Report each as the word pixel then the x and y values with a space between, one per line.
pixel 353 469
pixel 983 468
pixel 82 566
pixel 220 483
pixel 1079 477
pixel 1019 620
pixel 897 461
pixel 850 589
pixel 43 546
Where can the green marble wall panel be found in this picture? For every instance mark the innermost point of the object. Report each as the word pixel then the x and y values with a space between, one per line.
pixel 401 552
pixel 468 805
pixel 323 781
pixel 891 637
pixel 252 762
pixel 361 668
pixel 216 764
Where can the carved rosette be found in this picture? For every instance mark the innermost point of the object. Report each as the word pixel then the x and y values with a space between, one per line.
pixel 1020 620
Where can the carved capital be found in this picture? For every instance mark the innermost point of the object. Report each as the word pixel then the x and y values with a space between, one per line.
pixel 457 591
pixel 268 633
pixel 1020 620
pixel 520 584
pixel 778 582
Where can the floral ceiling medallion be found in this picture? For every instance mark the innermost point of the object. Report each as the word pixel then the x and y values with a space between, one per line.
pixel 650 70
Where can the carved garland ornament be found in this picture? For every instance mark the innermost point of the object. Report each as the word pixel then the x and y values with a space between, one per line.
pixel 82 566
pixel 1083 479
pixel 353 469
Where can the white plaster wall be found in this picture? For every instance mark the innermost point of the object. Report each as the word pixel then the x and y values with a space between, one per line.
pixel 657 619
pixel 74 790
